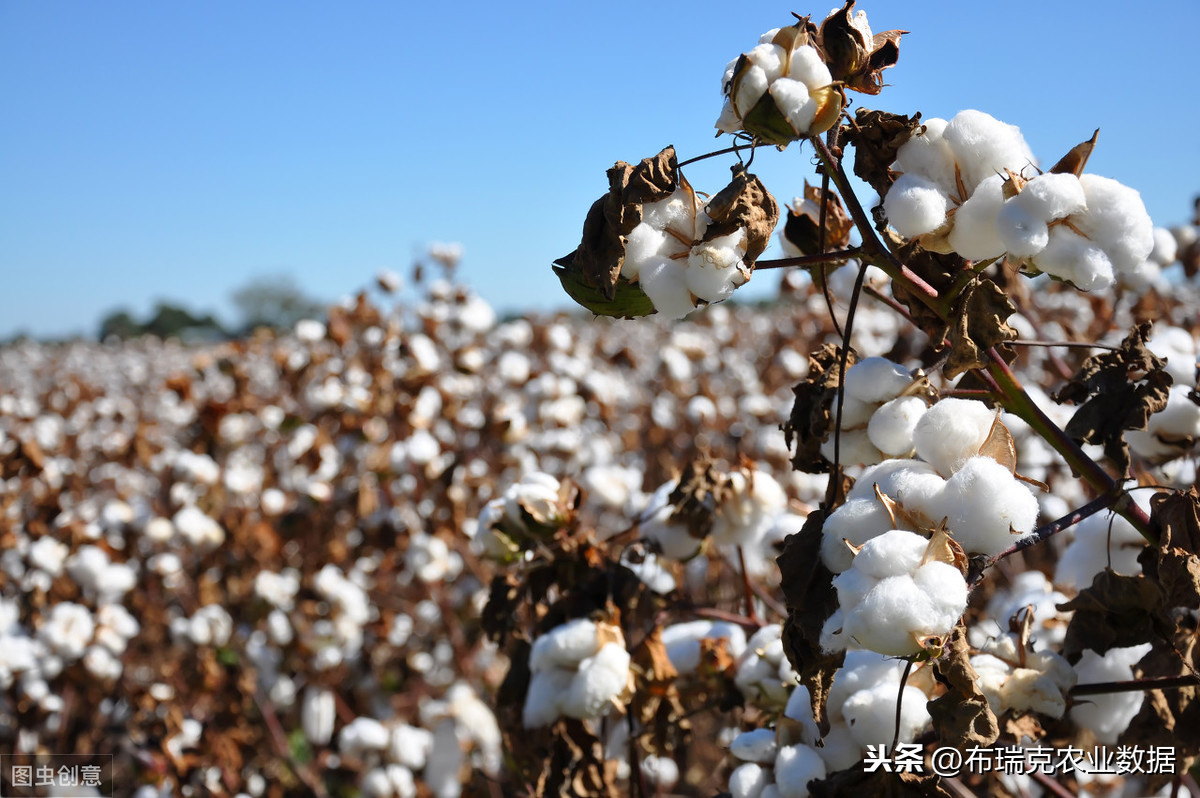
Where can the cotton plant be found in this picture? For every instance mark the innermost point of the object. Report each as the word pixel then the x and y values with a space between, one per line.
pixel 971 186
pixel 579 669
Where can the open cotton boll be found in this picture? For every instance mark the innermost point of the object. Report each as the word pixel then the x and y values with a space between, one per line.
pixel 1117 221
pixel 855 412
pixel 854 447
pixel 748 780
pixel 984 146
pixel 871 714
pixel 600 679
pixel 986 507
pixel 947 591
pixel 1178 348
pixel 927 153
pixel 1101 541
pixel 809 68
pixel 891 427
pixel 682 641
pixel 893 553
pixel 770 57
pixel 856 521
pixel 750 510
pixel 764 674
pixel 677 212
pixel 1166 249
pixel 750 89
pixel 665 282
pixel 1023 234
pixel 890 618
pixel 728 121
pixel 974 236
pixel 642 244
pixel 543 700
pixel 757 745
pixel 794 102
pixel 564 646
pixel 951 432
pixel 891 476
pixel 799 709
pixel 673 539
pixel 1070 256
pixel 795 767
pixel 1109 714
pixel 1052 196
pixel 915 205
pixel 876 380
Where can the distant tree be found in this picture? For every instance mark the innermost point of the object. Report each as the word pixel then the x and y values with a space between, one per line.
pixel 120 324
pixel 275 302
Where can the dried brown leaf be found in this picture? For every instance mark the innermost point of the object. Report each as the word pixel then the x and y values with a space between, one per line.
pixel 980 322
pixel 1117 391
pixel 803 224
pixel 961 716
pixel 1115 612
pixel 876 136
pixel 812 417
pixel 745 202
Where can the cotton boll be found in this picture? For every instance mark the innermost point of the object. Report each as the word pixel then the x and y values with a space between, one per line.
pixel 665 282
pixel 682 641
pixel 543 700
pixel 1070 256
pixel 643 243
pixel 728 121
pixel 746 515
pixel 871 714
pixel 852 586
pixel 748 781
pixel 891 476
pixel 854 448
pixel 839 749
pixel 876 380
pixel 565 646
pixel 947 591
pixel 600 679
pixel 915 205
pixel 1107 715
pixel 984 146
pixel 1101 541
pixel 927 153
pixel 1052 196
pixel 362 735
pixel 893 553
pixel 677 212
pixel 793 101
pixel 974 236
pixel 891 427
pixel 807 66
pixel 799 709
pixel 770 57
pixel 795 767
pixel 952 431
pixel 856 521
pixel 856 413
pixel 661 771
pixel 1023 234
pixel 986 507
pixel 750 88
pixel 833 638
pixel 757 745
pixel 1116 220
pixel 860 670
pixel 1166 250
pixel 891 618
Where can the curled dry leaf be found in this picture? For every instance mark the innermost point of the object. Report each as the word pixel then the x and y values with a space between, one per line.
pixel 745 202
pixel 855 56
pixel 980 321
pixel 813 412
pixel 1115 612
pixel 802 228
pixel 877 136
pixel 961 715
pixel 1117 391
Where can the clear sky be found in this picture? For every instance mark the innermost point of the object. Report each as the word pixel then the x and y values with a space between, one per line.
pixel 176 150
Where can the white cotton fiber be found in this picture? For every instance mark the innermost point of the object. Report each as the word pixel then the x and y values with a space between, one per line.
pixel 891 427
pixel 1116 221
pixel 1052 196
pixel 915 205
pixel 682 641
pixel 876 380
pixel 642 244
pixel 986 507
pixel 799 709
pixel 543 700
pixel 928 154
pixel 1101 541
pixel 748 781
pixel 984 146
pixel 564 646
pixel 757 745
pixel 1070 256
pixel 891 618
pixel 974 235
pixel 809 68
pixel 871 714
pixel 677 212
pixel 751 86
pixel 890 476
pixel 946 589
pixel 1107 715
pixel 1023 234
pixel 665 282
pixel 770 57
pixel 1166 249
pixel 855 412
pixel 854 447
pixel 793 101
pixel 600 679
pixel 893 553
pixel 795 767
pixel 853 585
pixel 858 520
pixel 952 431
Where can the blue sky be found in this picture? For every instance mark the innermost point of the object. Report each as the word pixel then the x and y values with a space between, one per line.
pixel 178 150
